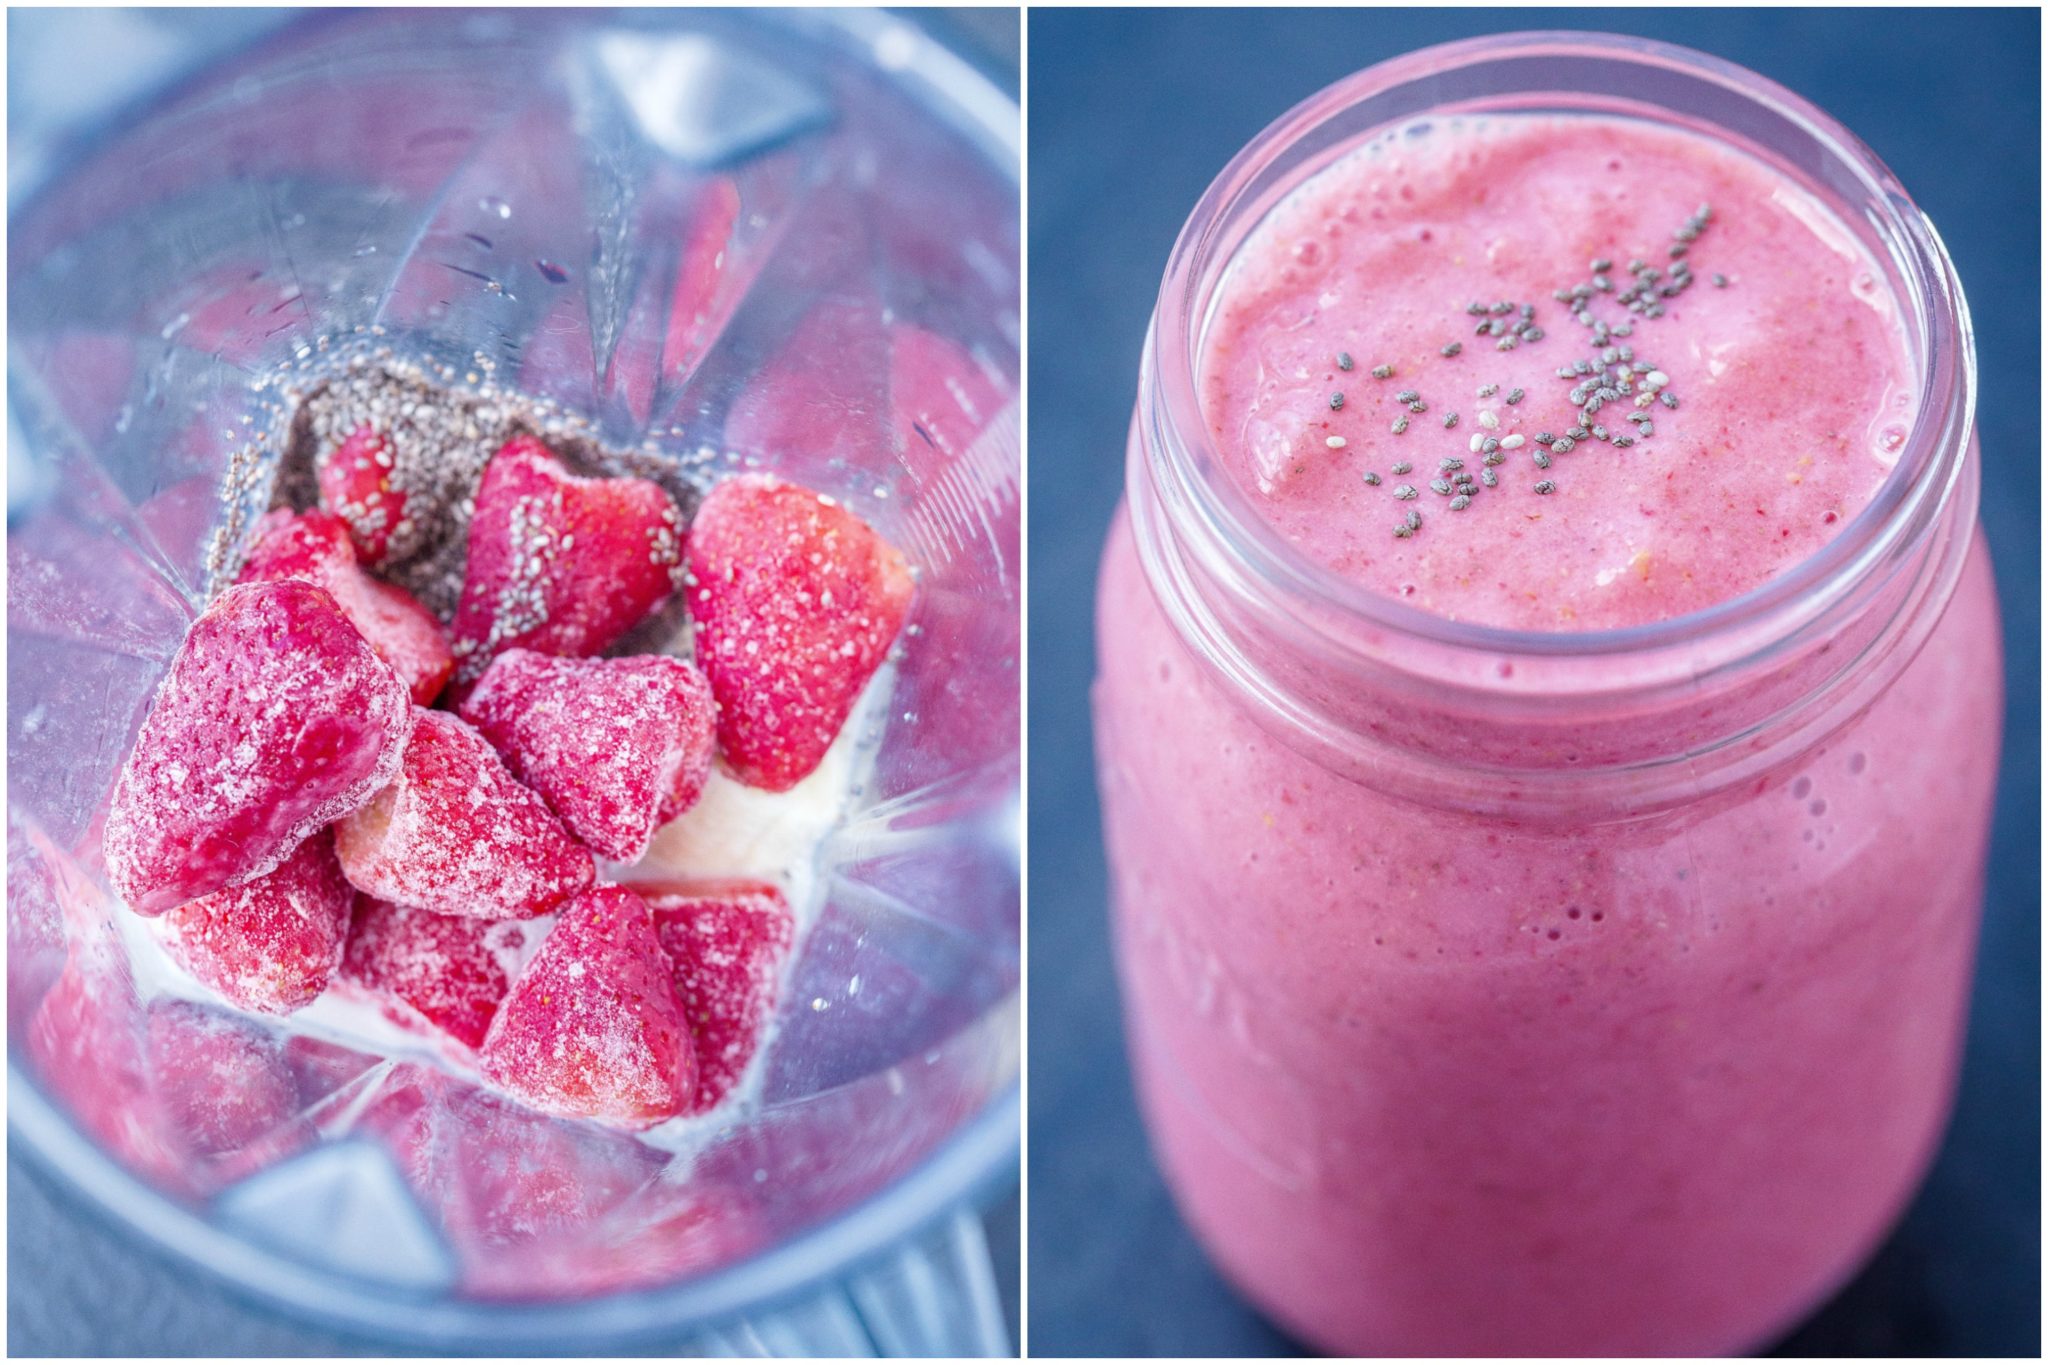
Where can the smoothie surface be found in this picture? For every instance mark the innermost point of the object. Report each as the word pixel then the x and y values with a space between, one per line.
pixel 1768 355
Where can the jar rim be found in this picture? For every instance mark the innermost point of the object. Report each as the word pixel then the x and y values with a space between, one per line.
pixel 1190 469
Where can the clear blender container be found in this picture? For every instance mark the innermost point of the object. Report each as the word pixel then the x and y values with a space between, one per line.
pixel 783 240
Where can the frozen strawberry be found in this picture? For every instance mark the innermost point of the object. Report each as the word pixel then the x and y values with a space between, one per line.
pixel 593 1027
pixel 796 602
pixel 356 486
pixel 560 564
pixel 457 835
pixel 274 720
pixel 446 969
pixel 314 547
pixel 616 747
pixel 223 1082
pixel 85 1045
pixel 271 944
pixel 727 941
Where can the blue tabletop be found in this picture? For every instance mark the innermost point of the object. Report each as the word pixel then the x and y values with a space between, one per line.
pixel 1131 114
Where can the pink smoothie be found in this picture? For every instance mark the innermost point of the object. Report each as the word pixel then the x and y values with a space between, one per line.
pixel 1434 1082
pixel 1785 361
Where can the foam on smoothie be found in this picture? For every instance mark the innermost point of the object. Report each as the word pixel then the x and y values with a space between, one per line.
pixel 1790 385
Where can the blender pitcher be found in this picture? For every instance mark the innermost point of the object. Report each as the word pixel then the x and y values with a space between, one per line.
pixel 721 240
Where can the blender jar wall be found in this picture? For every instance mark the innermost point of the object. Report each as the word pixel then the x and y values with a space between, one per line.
pixel 511 195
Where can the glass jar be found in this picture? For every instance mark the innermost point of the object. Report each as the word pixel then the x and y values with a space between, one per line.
pixel 1508 993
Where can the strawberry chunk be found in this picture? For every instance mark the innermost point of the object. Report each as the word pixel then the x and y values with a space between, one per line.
pixel 272 944
pixel 593 1027
pixel 560 564
pixel 274 720
pixel 223 1082
pixel 727 942
pixel 457 835
pixel 616 747
pixel 796 602
pixel 446 969
pixel 314 548
pixel 85 1044
pixel 356 485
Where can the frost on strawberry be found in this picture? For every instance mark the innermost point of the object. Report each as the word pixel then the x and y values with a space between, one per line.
pixel 796 602
pixel 727 942
pixel 275 719
pixel 593 1027
pixel 272 944
pixel 448 970
pixel 356 485
pixel 560 564
pixel 616 747
pixel 456 834
pixel 314 547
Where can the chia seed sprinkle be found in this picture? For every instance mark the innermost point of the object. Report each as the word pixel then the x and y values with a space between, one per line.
pixel 1383 372
pixel 1546 487
pixel 1406 396
pixel 1514 397
pixel 1413 520
pixel 1720 280
pixel 1406 492
pixel 1336 402
pixel 1449 464
pixel 1402 532
pixel 1450 420
pixel 1418 406
pixel 1461 502
pixel 1403 467
pixel 1371 479
pixel 1489 445
pixel 1400 425
pixel 1334 442
pixel 1489 421
pixel 1542 460
pixel 1488 390
pixel 1544 438
pixel 1562 447
pixel 1513 442
pixel 1451 349
pixel 1489 478
pixel 1344 361
pixel 1668 399
pixel 1441 487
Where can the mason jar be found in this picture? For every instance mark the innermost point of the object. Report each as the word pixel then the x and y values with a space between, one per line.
pixel 1502 992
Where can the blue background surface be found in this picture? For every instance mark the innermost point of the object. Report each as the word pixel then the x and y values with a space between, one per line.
pixel 1131 114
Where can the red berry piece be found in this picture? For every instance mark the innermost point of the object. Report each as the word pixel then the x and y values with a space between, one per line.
pixel 593 1027
pixel 727 941
pixel 796 602
pixel 560 564
pixel 223 1082
pixel 314 548
pixel 457 835
pixel 448 970
pixel 274 720
pixel 616 747
pixel 356 485
pixel 85 1045
pixel 272 944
